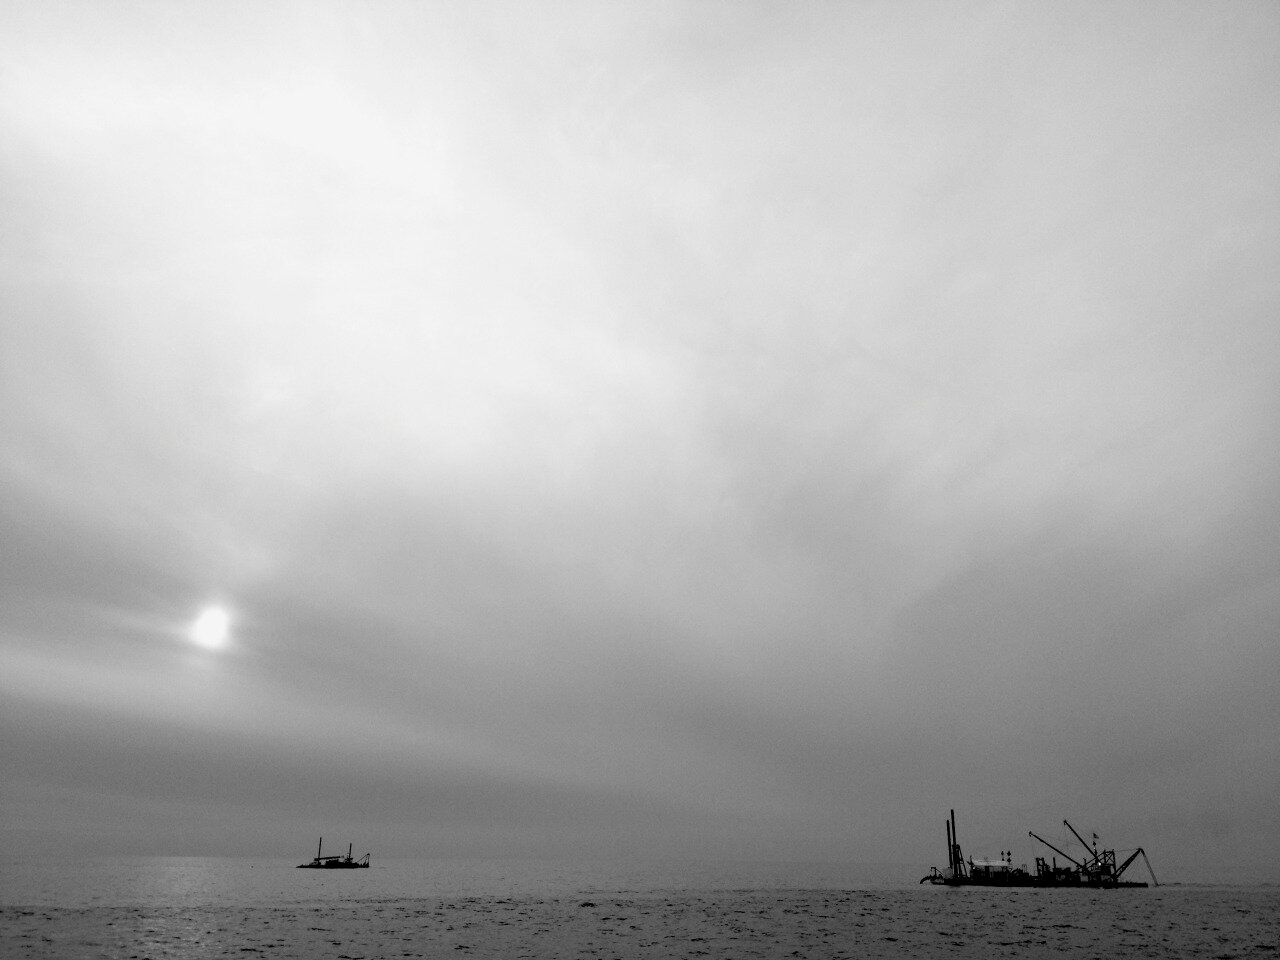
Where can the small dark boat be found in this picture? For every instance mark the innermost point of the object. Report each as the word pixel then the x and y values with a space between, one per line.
pixel 1095 868
pixel 336 861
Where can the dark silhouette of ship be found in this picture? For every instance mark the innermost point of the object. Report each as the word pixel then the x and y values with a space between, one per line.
pixel 1096 868
pixel 336 861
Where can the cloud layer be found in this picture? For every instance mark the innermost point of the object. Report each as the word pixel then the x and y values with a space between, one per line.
pixel 697 429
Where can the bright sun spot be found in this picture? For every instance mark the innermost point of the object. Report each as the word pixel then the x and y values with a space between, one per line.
pixel 211 628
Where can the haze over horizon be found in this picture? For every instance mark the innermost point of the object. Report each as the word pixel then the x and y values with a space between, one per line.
pixel 703 429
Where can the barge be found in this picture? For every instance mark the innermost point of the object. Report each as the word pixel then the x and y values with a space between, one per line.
pixel 1095 868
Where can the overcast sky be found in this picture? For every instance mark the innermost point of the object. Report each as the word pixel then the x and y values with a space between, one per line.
pixel 740 430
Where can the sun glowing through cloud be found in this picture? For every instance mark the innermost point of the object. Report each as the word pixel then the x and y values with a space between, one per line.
pixel 212 628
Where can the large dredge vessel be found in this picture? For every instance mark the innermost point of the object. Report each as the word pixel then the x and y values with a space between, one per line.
pixel 1095 868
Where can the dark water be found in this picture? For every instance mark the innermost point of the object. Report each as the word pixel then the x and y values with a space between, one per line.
pixel 196 881
pixel 204 908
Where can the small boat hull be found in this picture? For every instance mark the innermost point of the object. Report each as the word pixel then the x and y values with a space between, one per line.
pixel 335 861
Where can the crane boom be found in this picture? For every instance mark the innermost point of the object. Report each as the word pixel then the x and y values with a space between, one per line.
pixel 1055 849
pixel 1083 843
pixel 1149 869
pixel 1125 866
pixel 1134 856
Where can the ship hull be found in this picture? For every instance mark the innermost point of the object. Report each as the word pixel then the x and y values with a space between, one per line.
pixel 1036 882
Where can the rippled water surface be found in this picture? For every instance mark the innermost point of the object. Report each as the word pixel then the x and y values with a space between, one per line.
pixel 193 907
pixel 179 881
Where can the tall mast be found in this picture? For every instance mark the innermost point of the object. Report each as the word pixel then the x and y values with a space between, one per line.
pixel 956 861
pixel 319 847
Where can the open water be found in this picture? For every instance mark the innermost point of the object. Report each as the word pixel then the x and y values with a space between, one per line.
pixel 207 907
pixel 228 881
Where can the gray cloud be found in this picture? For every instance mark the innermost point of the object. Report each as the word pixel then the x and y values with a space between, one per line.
pixel 630 431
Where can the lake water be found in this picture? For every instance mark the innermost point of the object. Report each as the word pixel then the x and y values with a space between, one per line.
pixel 208 907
